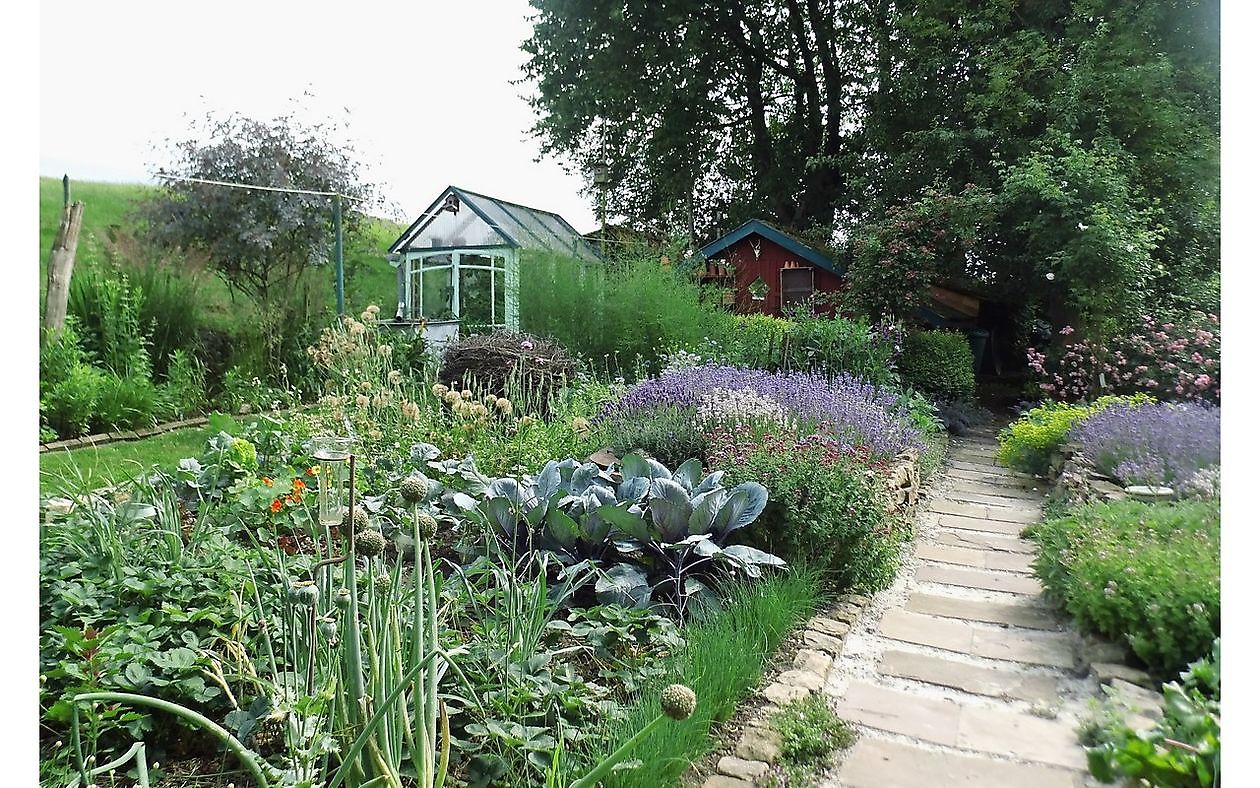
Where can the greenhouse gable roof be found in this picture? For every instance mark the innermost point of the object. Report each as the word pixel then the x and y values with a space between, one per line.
pixel 460 218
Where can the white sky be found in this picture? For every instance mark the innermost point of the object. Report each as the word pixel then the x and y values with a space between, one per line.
pixel 423 87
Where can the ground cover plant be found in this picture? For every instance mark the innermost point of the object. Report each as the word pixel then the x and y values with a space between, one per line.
pixel 1156 444
pixel 1148 575
pixel 939 364
pixel 1029 443
pixel 810 732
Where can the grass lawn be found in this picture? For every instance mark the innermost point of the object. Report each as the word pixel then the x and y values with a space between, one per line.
pixel 97 466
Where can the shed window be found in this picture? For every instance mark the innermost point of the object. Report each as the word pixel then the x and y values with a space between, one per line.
pixel 797 284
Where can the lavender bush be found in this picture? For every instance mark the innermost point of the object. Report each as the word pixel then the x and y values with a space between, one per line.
pixel 1154 443
pixel 858 413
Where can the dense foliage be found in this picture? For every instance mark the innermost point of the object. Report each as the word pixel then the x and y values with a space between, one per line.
pixel 1089 129
pixel 1148 575
pixel 939 364
pixel 1155 444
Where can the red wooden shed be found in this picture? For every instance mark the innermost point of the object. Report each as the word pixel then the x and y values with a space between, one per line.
pixel 767 270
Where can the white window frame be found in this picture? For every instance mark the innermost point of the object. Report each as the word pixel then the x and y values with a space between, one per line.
pixel 509 265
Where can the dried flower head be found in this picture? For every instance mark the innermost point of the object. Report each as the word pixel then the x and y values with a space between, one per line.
pixel 503 405
pixel 428 526
pixel 360 518
pixel 394 377
pixel 439 390
pixel 381 583
pixel 410 411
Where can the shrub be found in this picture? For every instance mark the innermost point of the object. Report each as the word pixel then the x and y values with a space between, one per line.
pixel 939 364
pixel 853 411
pixel 1145 574
pixel 125 403
pixel 69 405
pixel 827 507
pixel 1028 444
pixel 1153 443
pixel 506 362
pixel 184 391
pixel 1178 358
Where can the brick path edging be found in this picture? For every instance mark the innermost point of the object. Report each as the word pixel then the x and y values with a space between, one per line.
pixel 104 438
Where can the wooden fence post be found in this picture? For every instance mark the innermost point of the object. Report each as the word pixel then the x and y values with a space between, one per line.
pixel 60 267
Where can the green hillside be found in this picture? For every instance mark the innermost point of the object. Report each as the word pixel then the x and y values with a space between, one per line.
pixel 369 279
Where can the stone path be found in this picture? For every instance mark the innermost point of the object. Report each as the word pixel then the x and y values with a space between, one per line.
pixel 960 674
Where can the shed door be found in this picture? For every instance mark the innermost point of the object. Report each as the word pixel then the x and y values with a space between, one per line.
pixel 796 284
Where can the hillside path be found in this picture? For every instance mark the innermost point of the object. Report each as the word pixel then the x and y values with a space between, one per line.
pixel 960 673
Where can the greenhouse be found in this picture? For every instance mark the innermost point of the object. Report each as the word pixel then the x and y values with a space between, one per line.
pixel 459 262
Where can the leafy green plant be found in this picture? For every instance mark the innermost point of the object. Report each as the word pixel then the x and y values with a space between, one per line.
pixel 826 507
pixel 939 364
pixel 1184 749
pixel 1145 574
pixel 184 391
pixel 810 732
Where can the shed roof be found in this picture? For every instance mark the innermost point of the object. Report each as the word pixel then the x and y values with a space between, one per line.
pixel 771 233
pixel 488 222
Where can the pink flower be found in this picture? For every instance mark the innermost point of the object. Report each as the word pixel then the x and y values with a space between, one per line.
pixel 1066 330
pixel 1202 381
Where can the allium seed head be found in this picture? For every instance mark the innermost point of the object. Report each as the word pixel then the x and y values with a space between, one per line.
pixel 678 702
pixel 428 526
pixel 381 583
pixel 413 489
pixel 369 542
pixel 360 518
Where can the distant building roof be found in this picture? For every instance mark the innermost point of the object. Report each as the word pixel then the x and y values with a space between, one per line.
pixel 769 232
pixel 488 222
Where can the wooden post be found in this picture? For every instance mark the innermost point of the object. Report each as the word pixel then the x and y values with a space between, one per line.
pixel 60 267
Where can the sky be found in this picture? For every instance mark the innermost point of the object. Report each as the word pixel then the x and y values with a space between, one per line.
pixel 423 88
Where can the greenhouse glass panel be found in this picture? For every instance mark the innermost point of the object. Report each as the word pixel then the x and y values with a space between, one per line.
pixel 439 293
pixel 476 301
pixel 520 225
pixel 464 228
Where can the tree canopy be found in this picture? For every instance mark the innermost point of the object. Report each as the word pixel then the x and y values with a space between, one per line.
pixel 1093 126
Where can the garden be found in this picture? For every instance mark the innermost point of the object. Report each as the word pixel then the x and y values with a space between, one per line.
pixel 516 564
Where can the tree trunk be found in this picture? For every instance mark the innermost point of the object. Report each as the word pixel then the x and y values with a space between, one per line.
pixel 60 267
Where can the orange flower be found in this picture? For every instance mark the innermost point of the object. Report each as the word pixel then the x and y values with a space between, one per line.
pixel 297 496
pixel 276 505
pixel 313 470
pixel 266 480
pixel 298 485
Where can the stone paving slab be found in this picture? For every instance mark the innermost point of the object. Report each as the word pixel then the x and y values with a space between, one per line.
pixel 983 467
pixel 879 763
pixel 1029 614
pixel 1004 513
pixel 1011 489
pixel 985 541
pixel 944 722
pixel 1027 502
pixel 979 524
pixel 1051 649
pixel 1022 736
pixel 976 679
pixel 982 579
pixel 996 477
pixel 980 559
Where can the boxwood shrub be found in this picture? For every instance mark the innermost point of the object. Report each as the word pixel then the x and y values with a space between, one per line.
pixel 1145 574
pixel 939 364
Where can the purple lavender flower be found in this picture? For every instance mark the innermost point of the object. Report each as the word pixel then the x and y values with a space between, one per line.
pixel 1153 444
pixel 857 413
